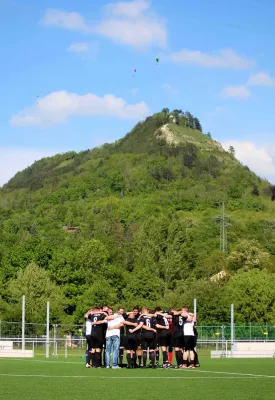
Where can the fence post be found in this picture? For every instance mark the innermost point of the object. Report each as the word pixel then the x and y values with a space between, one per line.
pixel 66 350
pixel 232 329
pixel 48 331
pixel 195 307
pixel 23 323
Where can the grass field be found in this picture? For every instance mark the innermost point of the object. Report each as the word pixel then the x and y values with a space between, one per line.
pixel 37 379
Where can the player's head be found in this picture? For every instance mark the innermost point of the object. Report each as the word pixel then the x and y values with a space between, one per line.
pixel 172 309
pixel 120 310
pixel 131 315
pixel 144 310
pixel 105 308
pixel 136 310
pixel 97 308
pixel 111 311
pixel 152 311
pixel 158 309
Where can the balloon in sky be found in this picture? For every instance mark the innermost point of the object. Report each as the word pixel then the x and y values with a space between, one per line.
pixel 134 69
pixel 157 59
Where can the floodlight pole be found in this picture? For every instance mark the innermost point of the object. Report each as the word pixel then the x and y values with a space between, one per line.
pixel 23 323
pixel 48 331
pixel 232 329
pixel 195 307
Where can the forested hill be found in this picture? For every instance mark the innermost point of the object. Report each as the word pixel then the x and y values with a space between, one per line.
pixel 137 221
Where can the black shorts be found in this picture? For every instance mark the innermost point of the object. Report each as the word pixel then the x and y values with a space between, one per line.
pixel 178 342
pixel 96 342
pixel 89 342
pixel 148 343
pixel 164 341
pixel 189 342
pixel 131 342
pixel 123 341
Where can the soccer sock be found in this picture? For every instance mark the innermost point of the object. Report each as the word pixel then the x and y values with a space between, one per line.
pixel 87 356
pixel 165 357
pixel 92 357
pixel 134 359
pixel 144 358
pixel 121 352
pixel 170 357
pixel 196 358
pixel 97 359
pixel 129 359
pixel 139 359
pixel 157 356
pixel 152 357
pixel 179 357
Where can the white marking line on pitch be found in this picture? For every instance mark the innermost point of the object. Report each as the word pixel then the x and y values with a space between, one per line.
pixel 238 373
pixel 129 377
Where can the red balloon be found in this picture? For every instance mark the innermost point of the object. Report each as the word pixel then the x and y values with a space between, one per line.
pixel 135 70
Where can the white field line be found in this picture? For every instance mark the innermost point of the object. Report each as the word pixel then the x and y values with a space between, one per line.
pixel 236 373
pixel 130 377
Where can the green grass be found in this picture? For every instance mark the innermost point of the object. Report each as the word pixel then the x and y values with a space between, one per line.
pixel 68 380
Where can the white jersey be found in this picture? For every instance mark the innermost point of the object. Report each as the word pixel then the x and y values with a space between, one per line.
pixel 114 332
pixel 188 328
pixel 88 326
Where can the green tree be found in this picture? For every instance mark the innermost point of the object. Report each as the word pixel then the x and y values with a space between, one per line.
pixel 253 295
pixel 35 284
pixel 248 255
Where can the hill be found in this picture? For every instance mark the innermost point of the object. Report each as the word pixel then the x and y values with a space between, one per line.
pixel 138 221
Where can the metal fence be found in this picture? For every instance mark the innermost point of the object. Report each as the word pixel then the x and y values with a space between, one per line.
pixel 242 331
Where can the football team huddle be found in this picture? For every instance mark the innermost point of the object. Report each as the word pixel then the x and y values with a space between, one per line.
pixel 141 333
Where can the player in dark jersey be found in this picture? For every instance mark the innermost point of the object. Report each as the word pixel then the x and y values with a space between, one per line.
pixel 131 341
pixel 163 335
pixel 178 338
pixel 97 338
pixel 88 330
pixel 139 349
pixel 148 325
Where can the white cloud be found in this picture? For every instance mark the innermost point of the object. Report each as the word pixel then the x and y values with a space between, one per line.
pixel 66 20
pixel 133 9
pixel 226 58
pixel 258 157
pixel 79 48
pixel 57 107
pixel 128 23
pixel 261 79
pixel 169 88
pixel 238 92
pixel 13 160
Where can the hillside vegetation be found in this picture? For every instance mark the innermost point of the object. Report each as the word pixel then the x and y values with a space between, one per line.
pixel 144 226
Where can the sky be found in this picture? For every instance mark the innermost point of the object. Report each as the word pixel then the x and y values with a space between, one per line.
pixel 68 82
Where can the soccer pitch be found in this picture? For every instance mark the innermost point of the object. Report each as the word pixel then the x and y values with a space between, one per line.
pixel 38 379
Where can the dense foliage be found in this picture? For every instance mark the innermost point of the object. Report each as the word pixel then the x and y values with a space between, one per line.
pixel 136 222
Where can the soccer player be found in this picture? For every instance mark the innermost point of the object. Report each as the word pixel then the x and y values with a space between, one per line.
pixel 177 336
pixel 163 335
pixel 189 338
pixel 139 349
pixel 97 338
pixel 131 342
pixel 88 330
pixel 148 325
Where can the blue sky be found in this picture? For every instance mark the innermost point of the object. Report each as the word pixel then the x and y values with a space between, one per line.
pixel 67 74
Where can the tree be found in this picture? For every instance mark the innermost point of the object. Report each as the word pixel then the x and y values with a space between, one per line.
pixel 190 119
pixel 209 135
pixel 232 150
pixel 248 255
pixel 253 296
pixel 35 284
pixel 197 125
pixel 272 193
pixel 255 191
pixel 165 111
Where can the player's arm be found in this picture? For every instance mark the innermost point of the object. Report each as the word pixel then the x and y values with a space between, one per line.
pixel 165 315
pixel 162 326
pixel 139 326
pixel 130 323
pixel 118 326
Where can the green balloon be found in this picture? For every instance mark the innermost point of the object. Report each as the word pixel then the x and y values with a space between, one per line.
pixel 157 59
